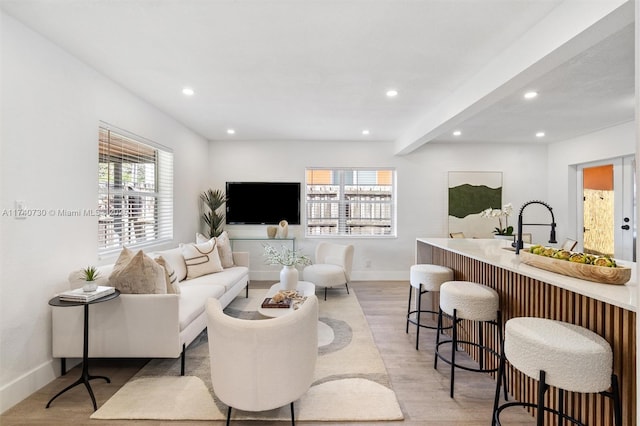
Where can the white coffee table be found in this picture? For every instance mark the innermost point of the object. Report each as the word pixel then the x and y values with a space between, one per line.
pixel 305 288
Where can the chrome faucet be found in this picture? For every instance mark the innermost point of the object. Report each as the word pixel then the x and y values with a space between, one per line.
pixel 552 236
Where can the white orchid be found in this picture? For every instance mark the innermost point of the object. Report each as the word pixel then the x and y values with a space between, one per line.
pixel 505 211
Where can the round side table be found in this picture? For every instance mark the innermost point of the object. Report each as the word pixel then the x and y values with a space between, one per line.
pixel 85 376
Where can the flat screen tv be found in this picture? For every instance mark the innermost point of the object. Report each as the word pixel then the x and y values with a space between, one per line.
pixel 263 203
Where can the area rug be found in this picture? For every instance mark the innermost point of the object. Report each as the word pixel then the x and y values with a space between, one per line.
pixel 351 382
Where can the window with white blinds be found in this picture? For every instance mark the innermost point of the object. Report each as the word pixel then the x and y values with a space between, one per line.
pixel 135 191
pixel 350 202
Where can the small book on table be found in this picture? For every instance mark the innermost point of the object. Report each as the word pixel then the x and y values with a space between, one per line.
pixel 79 295
pixel 270 303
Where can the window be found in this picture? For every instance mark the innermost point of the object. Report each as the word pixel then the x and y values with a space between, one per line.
pixel 350 202
pixel 135 191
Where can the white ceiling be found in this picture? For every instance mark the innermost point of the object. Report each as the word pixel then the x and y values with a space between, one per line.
pixel 319 69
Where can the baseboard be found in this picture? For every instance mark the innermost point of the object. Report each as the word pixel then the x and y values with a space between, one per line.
pixel 25 385
pixel 356 276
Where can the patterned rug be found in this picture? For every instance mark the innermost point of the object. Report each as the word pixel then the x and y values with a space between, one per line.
pixel 351 382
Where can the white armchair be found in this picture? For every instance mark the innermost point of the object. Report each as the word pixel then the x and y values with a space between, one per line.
pixel 259 365
pixel 332 266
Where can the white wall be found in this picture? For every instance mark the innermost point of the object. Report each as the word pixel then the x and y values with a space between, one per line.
pixel 422 188
pixel 563 158
pixel 51 105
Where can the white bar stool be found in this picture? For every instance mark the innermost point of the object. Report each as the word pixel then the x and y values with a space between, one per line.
pixel 425 278
pixel 465 300
pixel 556 353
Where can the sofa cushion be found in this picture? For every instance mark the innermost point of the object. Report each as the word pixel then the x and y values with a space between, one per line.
pixel 176 260
pixel 138 274
pixel 224 247
pixel 226 279
pixel 201 259
pixel 193 298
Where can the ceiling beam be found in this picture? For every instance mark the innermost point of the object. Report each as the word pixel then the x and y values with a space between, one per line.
pixel 568 30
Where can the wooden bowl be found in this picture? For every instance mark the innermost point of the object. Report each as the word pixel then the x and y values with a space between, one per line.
pixel 599 274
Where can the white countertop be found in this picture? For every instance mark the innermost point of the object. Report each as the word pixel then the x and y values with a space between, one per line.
pixel 493 252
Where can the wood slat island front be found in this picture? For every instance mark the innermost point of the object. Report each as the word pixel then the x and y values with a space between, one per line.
pixel 609 310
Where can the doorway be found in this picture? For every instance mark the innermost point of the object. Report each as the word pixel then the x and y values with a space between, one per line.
pixel 606 210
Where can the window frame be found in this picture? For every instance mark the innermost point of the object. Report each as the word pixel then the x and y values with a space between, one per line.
pixel 342 202
pixel 132 212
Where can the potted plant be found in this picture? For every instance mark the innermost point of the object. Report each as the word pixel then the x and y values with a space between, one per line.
pixel 289 259
pixel 90 274
pixel 506 210
pixel 213 217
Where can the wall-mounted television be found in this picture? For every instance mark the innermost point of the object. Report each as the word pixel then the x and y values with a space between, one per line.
pixel 263 203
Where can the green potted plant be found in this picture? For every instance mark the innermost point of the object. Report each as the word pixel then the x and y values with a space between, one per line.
pixel 213 217
pixel 500 231
pixel 90 274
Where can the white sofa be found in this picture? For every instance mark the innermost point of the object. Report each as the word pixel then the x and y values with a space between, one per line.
pixel 147 325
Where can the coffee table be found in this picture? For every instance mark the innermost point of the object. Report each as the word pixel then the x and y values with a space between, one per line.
pixel 305 288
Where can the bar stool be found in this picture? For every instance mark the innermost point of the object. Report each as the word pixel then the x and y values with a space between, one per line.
pixel 559 354
pixel 465 300
pixel 425 278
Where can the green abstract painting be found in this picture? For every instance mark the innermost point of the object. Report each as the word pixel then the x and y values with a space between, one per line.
pixel 469 194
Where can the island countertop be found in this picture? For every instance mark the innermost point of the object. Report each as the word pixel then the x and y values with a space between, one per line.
pixel 497 253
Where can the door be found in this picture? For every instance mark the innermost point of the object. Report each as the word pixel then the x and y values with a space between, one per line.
pixel 607 207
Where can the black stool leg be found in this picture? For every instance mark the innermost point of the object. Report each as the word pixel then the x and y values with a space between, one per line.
pixel 481 342
pixel 560 407
pixel 438 331
pixel 419 296
pixel 228 416
pixel 293 419
pixel 454 345
pixel 496 399
pixel 542 388
pixel 617 407
pixel 409 307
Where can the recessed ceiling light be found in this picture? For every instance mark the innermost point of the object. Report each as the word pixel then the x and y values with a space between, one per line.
pixel 365 132
pixel 231 132
pixel 540 135
pixel 392 93
pixel 188 91
pixel 457 133
pixel 530 95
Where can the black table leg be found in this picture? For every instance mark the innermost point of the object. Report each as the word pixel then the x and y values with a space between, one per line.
pixel 85 376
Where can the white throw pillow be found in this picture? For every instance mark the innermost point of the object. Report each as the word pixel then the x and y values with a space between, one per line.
pixel 201 259
pixel 138 274
pixel 170 275
pixel 176 260
pixel 224 247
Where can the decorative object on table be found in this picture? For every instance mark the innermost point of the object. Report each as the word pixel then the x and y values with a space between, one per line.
pixel 272 231
pixel 600 269
pixel 80 295
pixel 90 274
pixel 503 229
pixel 469 194
pixel 213 217
pixel 289 259
pixel 283 229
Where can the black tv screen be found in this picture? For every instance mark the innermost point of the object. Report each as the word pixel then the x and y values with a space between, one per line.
pixel 263 203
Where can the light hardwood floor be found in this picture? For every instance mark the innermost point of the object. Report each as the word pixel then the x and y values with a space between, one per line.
pixel 423 393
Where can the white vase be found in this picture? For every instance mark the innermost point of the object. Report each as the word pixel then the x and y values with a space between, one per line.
pixel 504 237
pixel 288 278
pixel 90 286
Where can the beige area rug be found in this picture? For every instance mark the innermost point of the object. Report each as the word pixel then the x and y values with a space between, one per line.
pixel 351 382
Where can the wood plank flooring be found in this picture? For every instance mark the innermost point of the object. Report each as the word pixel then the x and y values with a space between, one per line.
pixel 423 393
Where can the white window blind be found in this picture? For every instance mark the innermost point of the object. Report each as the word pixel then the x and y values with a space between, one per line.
pixel 350 202
pixel 135 191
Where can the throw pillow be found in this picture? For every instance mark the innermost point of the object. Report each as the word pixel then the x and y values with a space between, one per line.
pixel 174 258
pixel 138 274
pixel 201 259
pixel 224 247
pixel 170 275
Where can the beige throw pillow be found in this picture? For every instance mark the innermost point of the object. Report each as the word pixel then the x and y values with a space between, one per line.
pixel 224 247
pixel 170 276
pixel 201 259
pixel 138 274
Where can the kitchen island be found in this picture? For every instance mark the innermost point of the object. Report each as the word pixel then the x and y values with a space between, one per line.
pixel 609 310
